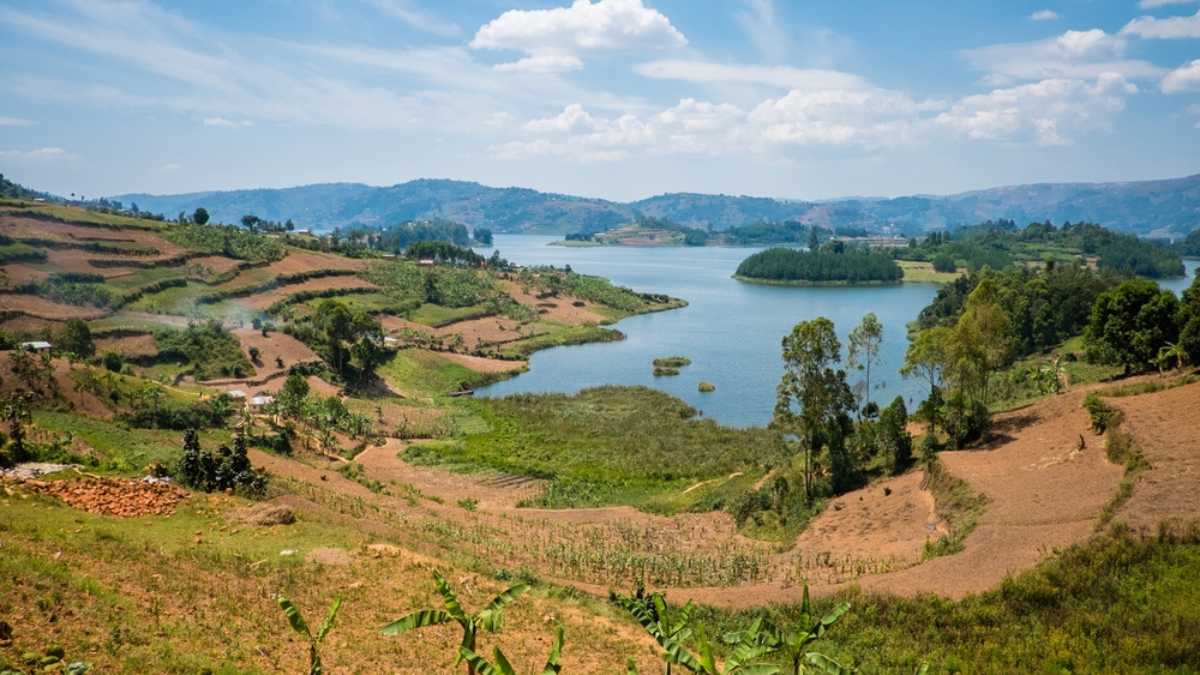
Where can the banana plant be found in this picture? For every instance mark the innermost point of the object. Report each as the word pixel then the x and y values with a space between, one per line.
pixel 489 618
pixel 652 613
pixel 502 666
pixel 298 624
pixel 809 630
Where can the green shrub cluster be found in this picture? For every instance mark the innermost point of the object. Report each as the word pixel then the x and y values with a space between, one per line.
pixel 210 349
pixel 225 240
pixel 826 265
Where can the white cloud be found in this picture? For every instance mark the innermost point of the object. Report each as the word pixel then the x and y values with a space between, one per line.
pixel 781 77
pixel 1172 28
pixel 1183 78
pixel 171 166
pixel 417 18
pixel 1044 15
pixel 761 25
pixel 868 118
pixel 226 123
pixel 15 122
pixel 39 154
pixel 553 39
pixel 1073 55
pixel 1155 4
pixel 1044 112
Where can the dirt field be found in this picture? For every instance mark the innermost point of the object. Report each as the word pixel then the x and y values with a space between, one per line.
pixel 261 301
pixel 46 309
pixel 484 365
pixel 64 388
pixel 20 273
pixel 132 345
pixel 29 324
pixel 217 264
pixel 475 332
pixel 1168 435
pixel 46 229
pixel 561 309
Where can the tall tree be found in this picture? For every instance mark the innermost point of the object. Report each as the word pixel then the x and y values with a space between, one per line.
pixel 1130 323
pixel 200 216
pixel 76 339
pixel 812 397
pixel 926 358
pixel 865 340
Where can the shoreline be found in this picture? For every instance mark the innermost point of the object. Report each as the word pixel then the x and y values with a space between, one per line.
pixel 800 283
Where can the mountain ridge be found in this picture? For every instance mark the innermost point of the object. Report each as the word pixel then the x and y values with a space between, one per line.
pixel 1161 207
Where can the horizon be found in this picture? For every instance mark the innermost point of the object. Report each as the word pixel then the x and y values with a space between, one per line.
pixel 609 99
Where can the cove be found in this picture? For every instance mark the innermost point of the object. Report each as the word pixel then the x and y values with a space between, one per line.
pixel 730 330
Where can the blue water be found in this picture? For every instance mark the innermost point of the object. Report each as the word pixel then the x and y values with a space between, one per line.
pixel 1180 284
pixel 730 330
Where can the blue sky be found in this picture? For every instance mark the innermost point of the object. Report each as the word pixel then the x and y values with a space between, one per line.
pixel 611 98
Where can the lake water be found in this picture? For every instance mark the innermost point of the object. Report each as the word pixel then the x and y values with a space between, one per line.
pixel 1180 284
pixel 730 330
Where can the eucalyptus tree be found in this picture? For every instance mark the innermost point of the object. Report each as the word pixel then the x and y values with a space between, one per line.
pixel 863 351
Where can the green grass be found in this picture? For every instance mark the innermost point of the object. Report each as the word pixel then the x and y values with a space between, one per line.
pixel 608 445
pixel 181 301
pixel 422 373
pixel 1016 385
pixel 548 334
pixel 958 505
pixel 438 315
pixel 122 450
pixel 923 272
pixel 1118 604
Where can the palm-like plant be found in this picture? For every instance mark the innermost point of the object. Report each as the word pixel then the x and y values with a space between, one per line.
pixel 296 620
pixel 652 613
pixel 502 665
pixel 1172 351
pixel 808 630
pixel 489 618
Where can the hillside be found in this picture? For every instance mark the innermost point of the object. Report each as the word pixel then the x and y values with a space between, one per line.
pixel 1159 207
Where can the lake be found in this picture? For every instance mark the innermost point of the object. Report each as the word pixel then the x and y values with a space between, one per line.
pixel 730 330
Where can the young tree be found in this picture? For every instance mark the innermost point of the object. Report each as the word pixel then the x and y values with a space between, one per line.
pixel 1130 323
pixel 76 339
pixel 813 241
pixel 812 397
pixel 1189 319
pixel 298 624
pixel 926 358
pixel 863 351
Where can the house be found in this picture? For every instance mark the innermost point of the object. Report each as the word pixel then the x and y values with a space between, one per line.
pixel 236 394
pixel 389 341
pixel 259 403
pixel 425 262
pixel 36 346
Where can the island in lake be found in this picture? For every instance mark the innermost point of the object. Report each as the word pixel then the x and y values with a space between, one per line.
pixel 832 265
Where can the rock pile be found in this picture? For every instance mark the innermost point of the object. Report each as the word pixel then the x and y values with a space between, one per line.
pixel 126 498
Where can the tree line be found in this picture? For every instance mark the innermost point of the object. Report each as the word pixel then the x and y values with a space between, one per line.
pixel 833 263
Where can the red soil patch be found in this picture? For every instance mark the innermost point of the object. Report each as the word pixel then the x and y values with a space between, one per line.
pixel 79 261
pixel 264 300
pixel 216 264
pixel 29 324
pixel 46 309
pixel 63 389
pixel 561 309
pixel 1164 427
pixel 125 498
pixel 130 345
pixel 22 274
pixel 45 229
pixel 475 332
pixel 480 364
pixel 275 345
pixel 299 260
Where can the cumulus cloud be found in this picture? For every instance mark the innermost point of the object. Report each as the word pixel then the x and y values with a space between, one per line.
pixel 15 122
pixel 1074 55
pixel 1044 112
pixel 553 39
pixel 782 77
pixel 1044 15
pixel 217 121
pixel 1172 28
pixel 1183 78
pixel 39 154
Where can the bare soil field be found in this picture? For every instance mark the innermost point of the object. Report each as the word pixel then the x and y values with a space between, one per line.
pixel 481 364
pixel 261 301
pixel 561 309
pixel 1166 431
pixel 277 344
pixel 20 273
pixel 475 332
pixel 29 324
pixel 48 229
pixel 45 309
pixel 64 388
pixel 217 264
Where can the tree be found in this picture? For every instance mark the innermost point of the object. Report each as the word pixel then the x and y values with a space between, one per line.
pixel 926 358
pixel 504 667
pixel 250 222
pixel 76 339
pixel 1130 323
pixel 200 216
pixel 1189 319
pixel 813 242
pixel 812 397
pixel 298 624
pixel 489 618
pixel 894 438
pixel 865 340
pixel 483 235
pixel 290 400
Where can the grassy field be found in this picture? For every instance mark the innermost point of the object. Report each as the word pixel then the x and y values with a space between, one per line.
pixel 439 315
pixel 1017 385
pixel 609 445
pixel 422 373
pixel 923 272
pixel 122 449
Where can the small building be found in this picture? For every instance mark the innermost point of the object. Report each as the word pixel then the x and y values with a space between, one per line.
pixel 236 394
pixel 389 341
pixel 36 346
pixel 425 262
pixel 259 403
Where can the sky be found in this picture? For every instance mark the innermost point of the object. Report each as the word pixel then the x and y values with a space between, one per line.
pixel 621 99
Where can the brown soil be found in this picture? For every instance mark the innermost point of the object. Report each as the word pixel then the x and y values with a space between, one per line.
pixel 217 264
pixel 1165 428
pixel 43 229
pixel 76 260
pixel 264 300
pixel 64 388
pixel 299 260
pixel 561 309
pixel 19 273
pixel 475 332
pixel 29 324
pixel 46 309
pixel 481 364
pixel 126 498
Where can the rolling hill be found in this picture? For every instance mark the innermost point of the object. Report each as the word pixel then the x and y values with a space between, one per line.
pixel 1159 207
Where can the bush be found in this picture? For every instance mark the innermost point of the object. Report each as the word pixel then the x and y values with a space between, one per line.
pixel 944 263
pixel 1104 417
pixel 226 469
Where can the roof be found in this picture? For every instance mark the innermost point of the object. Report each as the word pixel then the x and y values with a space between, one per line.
pixel 236 393
pixel 262 400
pixel 36 344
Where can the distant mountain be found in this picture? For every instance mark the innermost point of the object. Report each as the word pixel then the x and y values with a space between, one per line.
pixel 1158 207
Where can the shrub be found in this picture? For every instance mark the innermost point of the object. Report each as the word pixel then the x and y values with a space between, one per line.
pixel 1104 417
pixel 707 387
pixel 226 469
